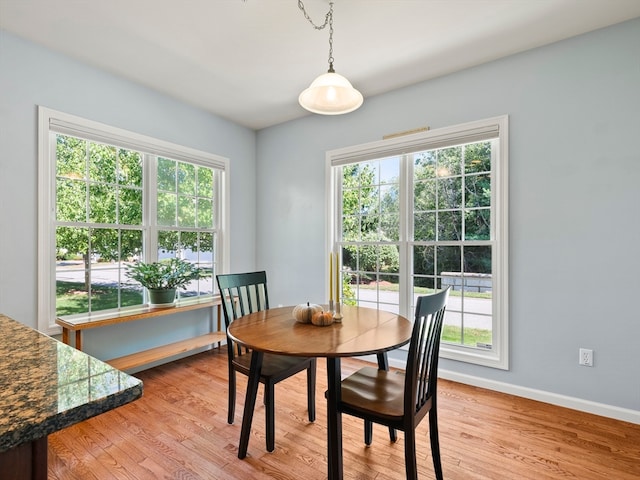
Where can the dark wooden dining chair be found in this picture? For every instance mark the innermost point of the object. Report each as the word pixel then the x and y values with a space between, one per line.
pixel 401 401
pixel 242 294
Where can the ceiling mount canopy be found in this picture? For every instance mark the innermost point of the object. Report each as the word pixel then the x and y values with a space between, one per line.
pixel 330 93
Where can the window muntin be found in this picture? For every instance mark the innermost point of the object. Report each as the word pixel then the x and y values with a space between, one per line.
pixel 444 211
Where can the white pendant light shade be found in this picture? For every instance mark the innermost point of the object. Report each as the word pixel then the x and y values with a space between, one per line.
pixel 330 94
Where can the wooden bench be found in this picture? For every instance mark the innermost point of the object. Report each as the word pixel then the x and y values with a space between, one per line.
pixel 70 324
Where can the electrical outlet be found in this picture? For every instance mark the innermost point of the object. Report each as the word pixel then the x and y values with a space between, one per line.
pixel 586 357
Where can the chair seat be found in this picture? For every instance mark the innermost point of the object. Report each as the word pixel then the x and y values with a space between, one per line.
pixel 375 392
pixel 273 366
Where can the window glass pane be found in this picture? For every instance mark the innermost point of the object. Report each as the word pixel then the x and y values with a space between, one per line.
pixel 189 246
pixel 104 287
pixel 186 211
pixel 448 259
pixel 478 190
pixel 71 200
pixel 477 259
pixel 424 195
pixel 102 163
pixel 72 244
pixel 449 161
pixel 131 245
pixel 71 294
pixel 129 168
pixel 424 165
pixel 102 203
pixel 104 245
pixel 205 213
pixel 205 182
pixel 206 248
pixel 167 209
pixel 186 178
pixel 368 173
pixel 350 228
pixel 368 257
pixel 389 199
pixel 449 192
pixel 423 260
pixel 370 225
pixel 424 226
pixel 72 273
pixel 449 226
pixel 166 175
pixel 477 157
pixel 130 206
pixel 205 260
pixel 350 258
pixel 71 157
pixel 389 260
pixel 168 244
pixel 389 227
pixel 390 170
pixel 452 327
pixel 477 224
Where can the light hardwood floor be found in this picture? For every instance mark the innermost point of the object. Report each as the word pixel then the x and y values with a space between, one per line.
pixel 178 430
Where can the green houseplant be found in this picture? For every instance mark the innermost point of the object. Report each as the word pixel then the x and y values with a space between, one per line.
pixel 164 277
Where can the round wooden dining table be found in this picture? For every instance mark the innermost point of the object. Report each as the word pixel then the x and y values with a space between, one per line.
pixel 362 331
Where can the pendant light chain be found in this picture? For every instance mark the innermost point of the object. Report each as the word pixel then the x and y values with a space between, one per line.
pixel 328 20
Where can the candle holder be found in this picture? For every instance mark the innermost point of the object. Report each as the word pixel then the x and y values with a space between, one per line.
pixel 331 306
pixel 337 316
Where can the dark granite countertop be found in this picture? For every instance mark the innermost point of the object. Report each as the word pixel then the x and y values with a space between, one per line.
pixel 46 385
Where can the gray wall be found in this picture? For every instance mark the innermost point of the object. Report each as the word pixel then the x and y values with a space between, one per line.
pixel 31 76
pixel 574 110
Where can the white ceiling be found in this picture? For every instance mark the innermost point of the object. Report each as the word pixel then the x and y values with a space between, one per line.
pixel 247 60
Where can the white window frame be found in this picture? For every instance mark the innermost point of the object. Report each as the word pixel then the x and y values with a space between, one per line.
pixel 54 121
pixel 490 128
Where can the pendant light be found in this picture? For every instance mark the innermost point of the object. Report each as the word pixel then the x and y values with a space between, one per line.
pixel 330 93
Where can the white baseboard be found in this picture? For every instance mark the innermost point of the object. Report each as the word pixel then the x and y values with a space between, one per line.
pixel 618 413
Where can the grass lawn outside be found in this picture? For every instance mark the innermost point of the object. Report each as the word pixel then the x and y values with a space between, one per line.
pixel 71 298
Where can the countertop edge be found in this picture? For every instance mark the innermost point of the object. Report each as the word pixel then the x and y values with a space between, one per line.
pixel 68 418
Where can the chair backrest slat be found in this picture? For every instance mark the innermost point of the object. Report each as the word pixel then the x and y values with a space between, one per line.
pixel 422 360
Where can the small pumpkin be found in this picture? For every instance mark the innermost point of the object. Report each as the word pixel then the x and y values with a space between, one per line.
pixel 304 312
pixel 322 319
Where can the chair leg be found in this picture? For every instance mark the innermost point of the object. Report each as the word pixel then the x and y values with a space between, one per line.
pixel 311 390
pixel 383 364
pixel 232 396
pixel 435 443
pixel 411 465
pixel 270 416
pixel 368 432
